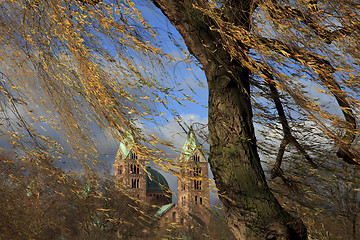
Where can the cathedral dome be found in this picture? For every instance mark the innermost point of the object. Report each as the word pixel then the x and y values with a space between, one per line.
pixel 155 181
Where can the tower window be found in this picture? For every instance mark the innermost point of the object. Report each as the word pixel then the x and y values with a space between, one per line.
pixel 196 199
pixel 197 171
pixel 200 200
pixel 133 156
pixel 196 158
pixel 183 200
pixel 135 183
pixel 135 169
pixel 197 184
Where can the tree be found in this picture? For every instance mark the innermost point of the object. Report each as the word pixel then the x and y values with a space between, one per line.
pixel 230 42
pixel 284 43
pixel 329 207
pixel 46 202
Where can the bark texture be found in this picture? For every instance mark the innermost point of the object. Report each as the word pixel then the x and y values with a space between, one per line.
pixel 252 212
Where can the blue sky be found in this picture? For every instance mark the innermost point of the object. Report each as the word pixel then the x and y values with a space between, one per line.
pixel 186 78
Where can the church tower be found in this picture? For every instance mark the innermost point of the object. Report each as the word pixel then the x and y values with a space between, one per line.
pixel 193 183
pixel 130 169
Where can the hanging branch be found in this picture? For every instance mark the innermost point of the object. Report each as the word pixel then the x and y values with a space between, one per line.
pixel 325 71
pixel 277 11
pixel 235 36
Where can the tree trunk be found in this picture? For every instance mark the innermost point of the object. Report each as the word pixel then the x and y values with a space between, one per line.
pixel 251 210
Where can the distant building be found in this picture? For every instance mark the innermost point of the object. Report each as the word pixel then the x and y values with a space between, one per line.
pixel 147 184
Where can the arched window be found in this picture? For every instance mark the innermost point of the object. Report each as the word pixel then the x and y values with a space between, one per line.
pixel 197 171
pixel 120 169
pixel 133 156
pixel 132 183
pixel 197 184
pixel 200 200
pixel 195 199
pixel 174 216
pixel 135 183
pixel 135 169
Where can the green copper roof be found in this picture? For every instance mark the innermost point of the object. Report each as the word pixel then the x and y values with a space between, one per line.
pixel 190 145
pixel 163 209
pixel 126 144
pixel 155 181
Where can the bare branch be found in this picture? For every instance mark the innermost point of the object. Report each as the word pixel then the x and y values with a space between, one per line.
pixel 288 137
pixel 276 171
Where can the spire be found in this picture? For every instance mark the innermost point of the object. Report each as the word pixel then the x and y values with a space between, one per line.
pixel 190 145
pixel 126 144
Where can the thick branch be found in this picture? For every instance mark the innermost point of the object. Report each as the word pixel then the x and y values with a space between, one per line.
pixel 190 24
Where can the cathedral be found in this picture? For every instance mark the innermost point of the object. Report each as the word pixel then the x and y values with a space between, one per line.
pixel 147 184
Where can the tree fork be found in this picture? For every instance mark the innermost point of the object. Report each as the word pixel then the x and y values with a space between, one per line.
pixel 288 136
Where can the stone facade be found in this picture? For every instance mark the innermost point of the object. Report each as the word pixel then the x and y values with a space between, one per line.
pixel 130 173
pixel 148 185
pixel 193 183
